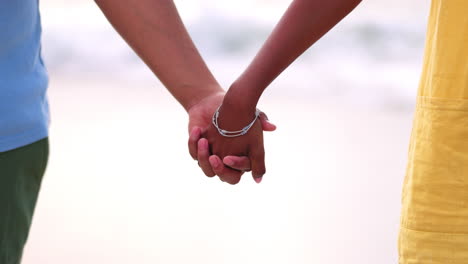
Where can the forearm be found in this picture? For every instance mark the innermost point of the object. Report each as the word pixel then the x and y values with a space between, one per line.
pixel 154 30
pixel 302 25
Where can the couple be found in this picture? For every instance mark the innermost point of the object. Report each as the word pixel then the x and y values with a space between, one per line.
pixel 225 127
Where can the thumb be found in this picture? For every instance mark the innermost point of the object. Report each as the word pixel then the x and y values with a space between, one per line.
pixel 238 163
pixel 194 136
pixel 257 159
pixel 266 124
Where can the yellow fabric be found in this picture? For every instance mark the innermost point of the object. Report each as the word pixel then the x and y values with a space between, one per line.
pixel 434 219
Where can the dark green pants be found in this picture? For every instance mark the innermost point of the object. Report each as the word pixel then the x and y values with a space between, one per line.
pixel 21 172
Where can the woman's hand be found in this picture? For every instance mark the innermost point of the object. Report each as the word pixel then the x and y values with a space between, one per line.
pixel 200 116
pixel 232 118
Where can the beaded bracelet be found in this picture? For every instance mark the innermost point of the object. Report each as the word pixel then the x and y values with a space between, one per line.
pixel 238 133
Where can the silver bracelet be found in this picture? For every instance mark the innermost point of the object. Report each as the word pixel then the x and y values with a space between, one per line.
pixel 238 133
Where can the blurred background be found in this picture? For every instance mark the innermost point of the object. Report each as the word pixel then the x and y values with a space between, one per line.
pixel 122 188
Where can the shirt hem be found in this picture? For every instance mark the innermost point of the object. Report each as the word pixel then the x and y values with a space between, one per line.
pixel 10 143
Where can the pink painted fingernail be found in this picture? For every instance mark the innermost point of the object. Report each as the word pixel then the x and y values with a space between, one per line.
pixel 258 180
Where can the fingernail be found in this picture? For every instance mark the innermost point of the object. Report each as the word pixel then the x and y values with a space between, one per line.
pixel 229 162
pixel 258 180
pixel 214 162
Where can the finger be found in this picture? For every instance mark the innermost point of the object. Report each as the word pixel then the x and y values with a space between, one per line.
pixel 257 159
pixel 238 163
pixel 203 155
pixel 194 136
pixel 225 174
pixel 266 124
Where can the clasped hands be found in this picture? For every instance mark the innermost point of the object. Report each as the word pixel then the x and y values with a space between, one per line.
pixel 228 158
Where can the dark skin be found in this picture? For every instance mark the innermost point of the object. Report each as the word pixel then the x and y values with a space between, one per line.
pixel 249 145
pixel 305 22
pixel 200 123
pixel 177 63
pixel 154 30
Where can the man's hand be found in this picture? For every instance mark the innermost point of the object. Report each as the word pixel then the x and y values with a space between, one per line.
pixel 200 116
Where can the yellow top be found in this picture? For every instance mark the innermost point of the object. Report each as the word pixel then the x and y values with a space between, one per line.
pixel 434 219
pixel 445 73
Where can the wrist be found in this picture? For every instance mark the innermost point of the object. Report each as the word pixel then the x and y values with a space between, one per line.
pixel 237 110
pixel 201 94
pixel 240 97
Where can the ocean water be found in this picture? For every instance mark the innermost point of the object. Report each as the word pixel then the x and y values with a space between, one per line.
pixel 371 59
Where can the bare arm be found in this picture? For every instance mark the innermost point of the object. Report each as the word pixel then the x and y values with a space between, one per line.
pixel 153 28
pixel 302 25
pixel 305 22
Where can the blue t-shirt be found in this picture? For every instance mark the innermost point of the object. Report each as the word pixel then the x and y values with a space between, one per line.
pixel 24 113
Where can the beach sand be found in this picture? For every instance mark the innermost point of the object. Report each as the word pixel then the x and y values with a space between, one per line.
pixel 121 187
